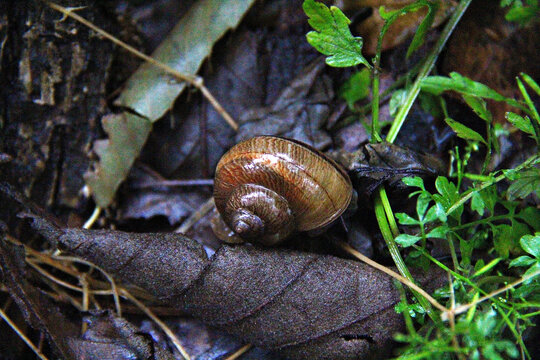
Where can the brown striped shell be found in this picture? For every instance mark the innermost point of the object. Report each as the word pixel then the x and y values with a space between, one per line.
pixel 268 187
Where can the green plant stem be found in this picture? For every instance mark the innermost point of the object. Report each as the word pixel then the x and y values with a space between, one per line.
pixel 386 231
pixel 388 211
pixel 426 69
pixel 375 137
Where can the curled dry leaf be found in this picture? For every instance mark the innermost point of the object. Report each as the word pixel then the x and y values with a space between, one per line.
pixel 303 305
pixel 110 337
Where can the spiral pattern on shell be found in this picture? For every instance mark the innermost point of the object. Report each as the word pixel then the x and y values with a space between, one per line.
pixel 268 172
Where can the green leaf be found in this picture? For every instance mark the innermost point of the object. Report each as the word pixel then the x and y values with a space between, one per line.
pixel 332 36
pixel 127 135
pixel 396 101
pixel 407 240
pixel 522 261
pixel 439 232
pixel 484 269
pixel 422 204
pixel 503 240
pixel 416 181
pixel 485 323
pixel 522 123
pixel 438 84
pixel 531 216
pixel 527 182
pixel 448 196
pixel 405 219
pixel 479 107
pixel 355 88
pixel 464 132
pixel 523 15
pixel 150 93
pixel 533 84
pixel 477 203
pixel 531 244
pixel 534 272
pixel 423 28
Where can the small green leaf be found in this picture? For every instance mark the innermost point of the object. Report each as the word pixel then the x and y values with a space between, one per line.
pixel 484 269
pixel 464 132
pixel 502 240
pixel 355 88
pixel 439 232
pixel 416 181
pixel 533 272
pixel 522 261
pixel 422 204
pixel 332 36
pixel 527 182
pixel 405 219
pixel 533 84
pixel 531 244
pixel 479 107
pixel 396 101
pixel 477 203
pixel 423 28
pixel 407 240
pixel 522 123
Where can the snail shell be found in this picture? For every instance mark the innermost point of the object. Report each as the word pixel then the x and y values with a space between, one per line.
pixel 268 187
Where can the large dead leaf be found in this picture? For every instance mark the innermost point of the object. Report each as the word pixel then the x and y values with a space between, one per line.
pixel 150 92
pixel 303 305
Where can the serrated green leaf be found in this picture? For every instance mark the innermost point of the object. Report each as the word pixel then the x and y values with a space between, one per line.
pixel 407 240
pixel 522 261
pixel 522 123
pixel 477 203
pixel 431 214
pixel 527 182
pixel 502 240
pixel 355 88
pixel 405 219
pixel 332 36
pixel 464 132
pixel 531 244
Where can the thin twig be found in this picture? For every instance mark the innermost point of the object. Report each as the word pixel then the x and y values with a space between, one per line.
pixel 196 216
pixel 194 80
pixel 239 352
pixel 22 335
pixel 172 336
pixel 393 274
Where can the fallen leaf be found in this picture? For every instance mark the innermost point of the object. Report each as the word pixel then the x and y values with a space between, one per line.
pixel 150 93
pixel 302 305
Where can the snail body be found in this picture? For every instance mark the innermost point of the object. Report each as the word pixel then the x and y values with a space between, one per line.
pixel 267 187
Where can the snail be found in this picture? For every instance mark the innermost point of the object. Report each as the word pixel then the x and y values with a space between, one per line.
pixel 268 187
